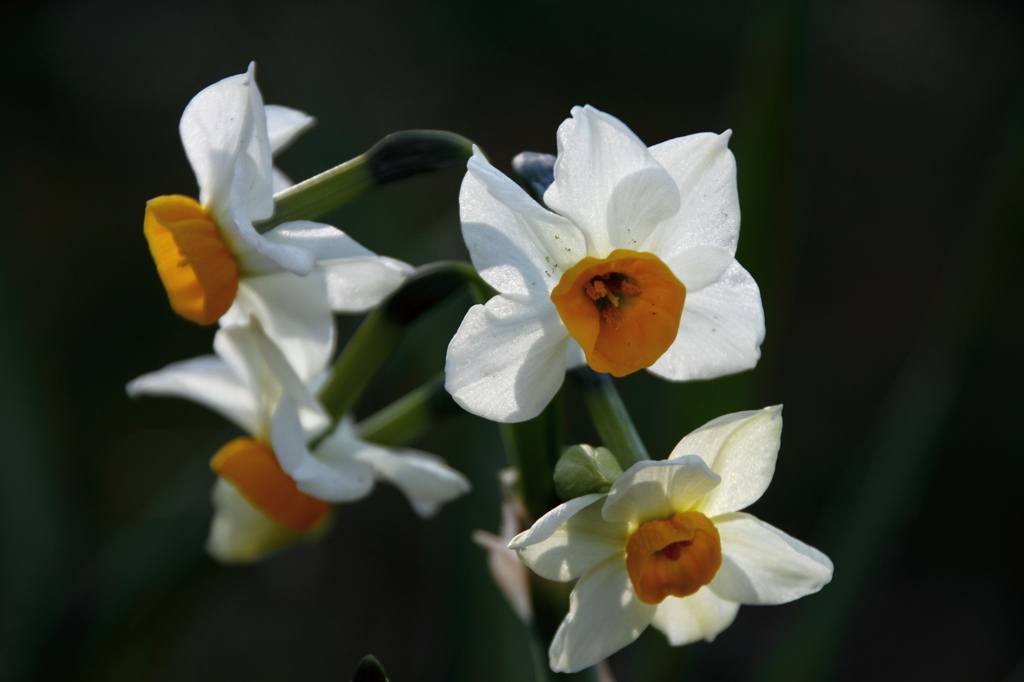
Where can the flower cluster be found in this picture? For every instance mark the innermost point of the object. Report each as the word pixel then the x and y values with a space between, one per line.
pixel 274 296
pixel 625 260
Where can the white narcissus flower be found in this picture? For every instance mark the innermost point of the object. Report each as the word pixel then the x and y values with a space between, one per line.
pixel 209 255
pixel 632 258
pixel 273 490
pixel 668 546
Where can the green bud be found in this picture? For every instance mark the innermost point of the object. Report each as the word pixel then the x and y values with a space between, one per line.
pixel 583 469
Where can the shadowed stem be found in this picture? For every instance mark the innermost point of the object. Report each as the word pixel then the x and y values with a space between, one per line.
pixel 410 415
pixel 610 416
pixel 397 156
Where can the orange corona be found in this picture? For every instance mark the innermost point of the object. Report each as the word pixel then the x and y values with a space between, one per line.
pixel 623 310
pixel 195 265
pixel 253 469
pixel 673 557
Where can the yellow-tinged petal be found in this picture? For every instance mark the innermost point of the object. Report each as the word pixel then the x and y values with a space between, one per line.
pixel 623 310
pixel 195 265
pixel 253 469
pixel 673 557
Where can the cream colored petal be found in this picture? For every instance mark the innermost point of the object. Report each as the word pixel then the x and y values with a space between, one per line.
pixel 690 619
pixel 604 616
pixel 241 533
pixel 763 565
pixel 658 489
pixel 742 449
pixel 583 540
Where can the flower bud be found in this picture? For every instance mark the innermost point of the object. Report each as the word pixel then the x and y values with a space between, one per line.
pixel 583 469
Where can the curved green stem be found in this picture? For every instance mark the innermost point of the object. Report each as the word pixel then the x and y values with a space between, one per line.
pixel 397 156
pixel 410 415
pixel 610 416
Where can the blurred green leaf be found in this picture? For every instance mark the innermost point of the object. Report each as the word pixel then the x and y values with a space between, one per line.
pixel 370 670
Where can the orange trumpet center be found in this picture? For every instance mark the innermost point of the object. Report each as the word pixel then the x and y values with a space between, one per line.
pixel 253 469
pixel 195 265
pixel 623 310
pixel 673 557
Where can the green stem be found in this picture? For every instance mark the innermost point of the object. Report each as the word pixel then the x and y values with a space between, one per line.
pixel 610 417
pixel 395 157
pixel 381 331
pixel 410 415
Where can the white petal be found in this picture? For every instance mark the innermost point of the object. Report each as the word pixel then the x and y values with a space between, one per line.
pixel 577 545
pixel 700 266
pixel 239 532
pixel 608 183
pixel 212 128
pixel 256 156
pixel 207 380
pixel 251 354
pixel 544 527
pixel 763 565
pixel 741 448
pixel 224 131
pixel 324 241
pixel 356 286
pixel 255 253
pixel 357 278
pixel 720 331
pixel 604 616
pixel 295 315
pixel 507 360
pixel 690 619
pixel 427 481
pixel 516 245
pixel 658 489
pixel 284 125
pixel 705 171
pixel 337 479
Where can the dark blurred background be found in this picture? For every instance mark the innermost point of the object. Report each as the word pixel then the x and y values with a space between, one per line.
pixel 880 148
